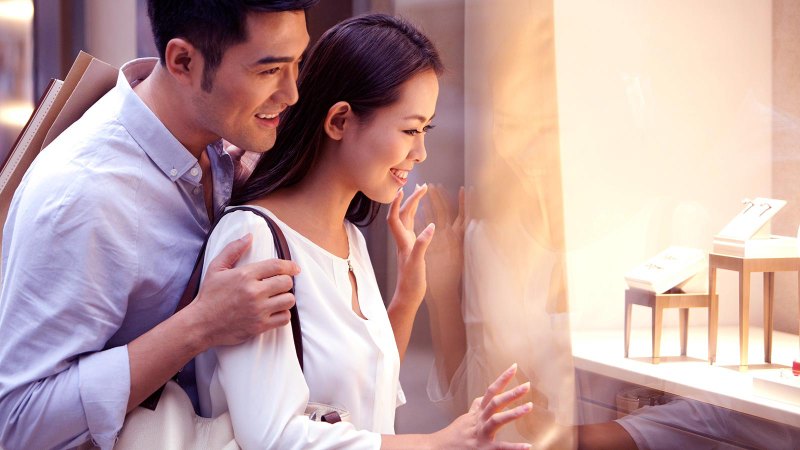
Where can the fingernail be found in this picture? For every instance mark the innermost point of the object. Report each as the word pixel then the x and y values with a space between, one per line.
pixel 527 407
pixel 430 228
pixel 513 367
pixel 523 387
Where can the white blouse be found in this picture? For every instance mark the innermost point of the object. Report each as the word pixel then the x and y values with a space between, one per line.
pixel 350 362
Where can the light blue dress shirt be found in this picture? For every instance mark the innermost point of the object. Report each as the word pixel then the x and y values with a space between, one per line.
pixel 100 241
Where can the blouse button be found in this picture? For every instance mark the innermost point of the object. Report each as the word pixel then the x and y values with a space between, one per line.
pixel 194 171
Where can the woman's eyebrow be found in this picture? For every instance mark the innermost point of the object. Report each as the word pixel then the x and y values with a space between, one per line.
pixel 419 117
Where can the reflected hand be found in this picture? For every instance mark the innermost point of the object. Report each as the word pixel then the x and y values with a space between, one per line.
pixel 445 256
pixel 411 247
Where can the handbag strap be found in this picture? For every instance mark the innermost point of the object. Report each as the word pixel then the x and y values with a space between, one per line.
pixel 282 249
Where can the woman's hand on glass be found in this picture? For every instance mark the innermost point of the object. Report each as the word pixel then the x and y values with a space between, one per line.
pixel 477 428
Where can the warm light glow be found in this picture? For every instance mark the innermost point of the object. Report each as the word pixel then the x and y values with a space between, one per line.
pixel 16 10
pixel 15 114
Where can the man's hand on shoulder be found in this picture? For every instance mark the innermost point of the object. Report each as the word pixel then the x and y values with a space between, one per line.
pixel 238 303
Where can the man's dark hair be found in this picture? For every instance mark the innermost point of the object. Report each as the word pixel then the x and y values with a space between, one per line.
pixel 363 61
pixel 210 25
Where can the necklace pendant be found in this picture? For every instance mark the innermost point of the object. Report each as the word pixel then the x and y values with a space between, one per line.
pixel 349 266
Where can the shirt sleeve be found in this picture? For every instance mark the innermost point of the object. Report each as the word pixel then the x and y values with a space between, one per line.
pixel 68 264
pixel 263 384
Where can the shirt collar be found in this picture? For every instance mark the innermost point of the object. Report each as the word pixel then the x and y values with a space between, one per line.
pixel 146 129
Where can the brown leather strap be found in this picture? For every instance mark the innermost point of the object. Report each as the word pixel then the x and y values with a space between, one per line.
pixel 282 249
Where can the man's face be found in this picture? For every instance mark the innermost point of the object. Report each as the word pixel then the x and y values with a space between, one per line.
pixel 254 82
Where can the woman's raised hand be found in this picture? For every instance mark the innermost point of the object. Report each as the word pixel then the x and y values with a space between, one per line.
pixel 411 247
pixel 477 428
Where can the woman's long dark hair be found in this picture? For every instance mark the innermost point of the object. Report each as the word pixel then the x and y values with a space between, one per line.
pixel 362 61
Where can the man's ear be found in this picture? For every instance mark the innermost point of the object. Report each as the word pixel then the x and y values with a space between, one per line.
pixel 336 119
pixel 183 61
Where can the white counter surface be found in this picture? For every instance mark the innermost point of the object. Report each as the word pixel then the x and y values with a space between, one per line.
pixel 721 384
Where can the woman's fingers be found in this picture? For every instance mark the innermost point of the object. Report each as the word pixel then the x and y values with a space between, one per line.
pixel 498 420
pixel 490 414
pixel 421 244
pixel 401 220
pixel 498 385
pixel 500 401
pixel 394 207
pixel 511 446
pixel 393 219
pixel 409 208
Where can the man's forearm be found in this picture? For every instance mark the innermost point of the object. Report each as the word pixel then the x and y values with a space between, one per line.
pixel 62 410
pixel 161 352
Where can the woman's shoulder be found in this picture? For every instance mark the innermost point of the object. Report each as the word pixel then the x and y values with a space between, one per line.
pixel 236 223
pixel 246 216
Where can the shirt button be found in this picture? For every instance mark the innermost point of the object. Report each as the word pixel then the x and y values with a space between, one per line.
pixel 194 171
pixel 196 190
pixel 173 172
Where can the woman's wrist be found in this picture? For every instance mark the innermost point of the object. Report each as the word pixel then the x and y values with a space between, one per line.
pixel 407 298
pixel 404 304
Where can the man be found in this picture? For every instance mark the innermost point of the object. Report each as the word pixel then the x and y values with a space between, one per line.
pixel 104 230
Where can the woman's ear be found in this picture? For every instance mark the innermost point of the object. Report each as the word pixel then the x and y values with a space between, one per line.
pixel 338 116
pixel 183 61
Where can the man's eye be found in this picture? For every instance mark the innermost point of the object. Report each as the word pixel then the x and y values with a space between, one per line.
pixel 411 132
pixel 272 71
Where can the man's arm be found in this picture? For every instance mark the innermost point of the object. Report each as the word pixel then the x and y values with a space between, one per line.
pixel 604 436
pixel 69 271
pixel 234 304
pixel 75 399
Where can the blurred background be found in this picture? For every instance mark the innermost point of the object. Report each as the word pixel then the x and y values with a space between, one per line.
pixel 589 136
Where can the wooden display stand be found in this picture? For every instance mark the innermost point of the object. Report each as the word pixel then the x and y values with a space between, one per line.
pixel 745 266
pixel 658 303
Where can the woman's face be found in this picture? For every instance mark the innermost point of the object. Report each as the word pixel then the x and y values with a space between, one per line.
pixel 379 153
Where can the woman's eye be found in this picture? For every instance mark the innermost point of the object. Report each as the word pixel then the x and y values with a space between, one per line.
pixel 272 71
pixel 414 132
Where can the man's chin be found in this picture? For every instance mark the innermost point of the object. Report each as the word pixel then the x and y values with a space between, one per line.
pixel 261 147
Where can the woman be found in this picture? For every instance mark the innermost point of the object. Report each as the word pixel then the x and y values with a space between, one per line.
pixel 368 94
